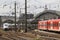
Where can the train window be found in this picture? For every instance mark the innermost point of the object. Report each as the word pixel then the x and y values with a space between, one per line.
pixel 45 24
pixel 48 24
pixel 51 24
pixel 6 25
pixel 41 24
pixel 55 24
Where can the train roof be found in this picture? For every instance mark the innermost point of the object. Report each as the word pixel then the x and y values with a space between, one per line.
pixel 50 20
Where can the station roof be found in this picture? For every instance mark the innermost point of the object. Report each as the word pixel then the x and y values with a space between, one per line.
pixel 51 11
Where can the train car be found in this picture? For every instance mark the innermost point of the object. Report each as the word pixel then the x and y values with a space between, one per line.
pixel 42 25
pixel 6 26
pixel 53 25
pixel 56 25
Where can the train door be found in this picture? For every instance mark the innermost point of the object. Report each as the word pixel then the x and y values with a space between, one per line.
pixel 50 25
pixel 45 25
pixel 55 25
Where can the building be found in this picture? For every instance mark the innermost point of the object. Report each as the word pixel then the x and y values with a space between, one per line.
pixel 48 14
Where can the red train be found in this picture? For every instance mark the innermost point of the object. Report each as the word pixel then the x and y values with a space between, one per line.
pixel 53 25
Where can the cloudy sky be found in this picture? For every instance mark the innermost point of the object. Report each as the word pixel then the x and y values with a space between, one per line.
pixel 34 6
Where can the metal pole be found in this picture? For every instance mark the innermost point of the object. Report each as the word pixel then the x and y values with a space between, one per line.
pixel 25 15
pixel 20 10
pixel 15 16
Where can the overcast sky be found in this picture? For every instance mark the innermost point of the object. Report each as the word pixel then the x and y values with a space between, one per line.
pixel 34 6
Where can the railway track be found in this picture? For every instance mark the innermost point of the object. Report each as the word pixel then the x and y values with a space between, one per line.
pixel 43 35
pixel 10 35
